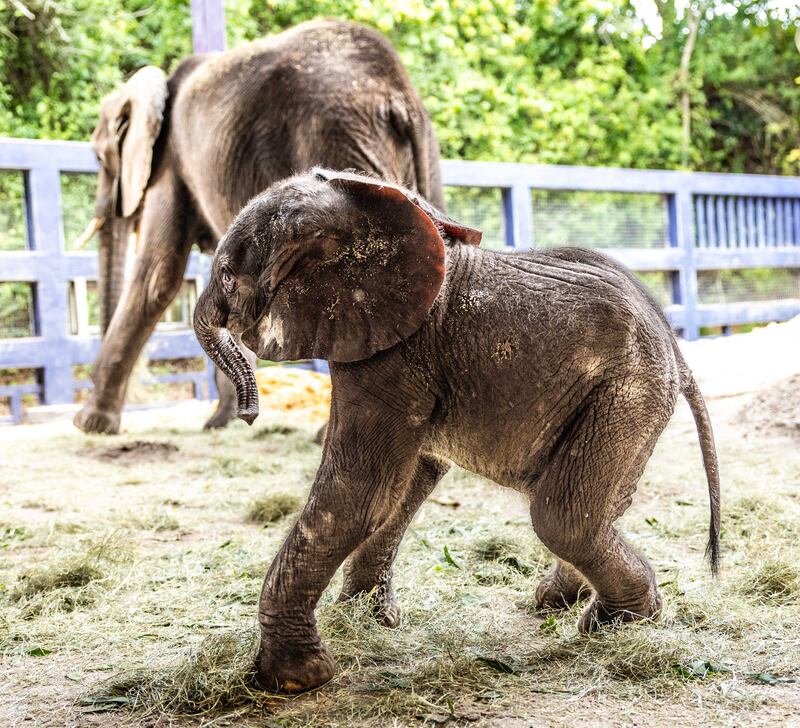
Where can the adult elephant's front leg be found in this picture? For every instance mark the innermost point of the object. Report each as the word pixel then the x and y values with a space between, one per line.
pixel 349 501
pixel 156 279
pixel 369 569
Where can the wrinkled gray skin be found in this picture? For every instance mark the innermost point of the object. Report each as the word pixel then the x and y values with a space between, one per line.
pixel 552 372
pixel 181 156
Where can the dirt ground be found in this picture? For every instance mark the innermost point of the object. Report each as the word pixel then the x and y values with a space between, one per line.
pixel 130 569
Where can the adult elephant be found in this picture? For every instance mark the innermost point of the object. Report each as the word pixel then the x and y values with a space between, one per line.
pixel 180 156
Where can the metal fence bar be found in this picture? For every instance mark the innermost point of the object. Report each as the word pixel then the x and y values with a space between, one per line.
pixel 208 26
pixel 730 223
pixel 44 202
pixel 722 227
pixel 681 237
pixel 796 236
pixel 702 235
pixel 711 218
pixel 761 223
pixel 741 224
pixel 518 216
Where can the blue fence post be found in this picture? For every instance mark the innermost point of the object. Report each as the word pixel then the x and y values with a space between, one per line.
pixel 681 232
pixel 43 190
pixel 518 216
pixel 208 26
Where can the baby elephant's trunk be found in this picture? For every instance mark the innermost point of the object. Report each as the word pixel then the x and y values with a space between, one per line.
pixel 210 317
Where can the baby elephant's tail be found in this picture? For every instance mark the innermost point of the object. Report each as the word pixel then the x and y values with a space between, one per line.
pixel 705 434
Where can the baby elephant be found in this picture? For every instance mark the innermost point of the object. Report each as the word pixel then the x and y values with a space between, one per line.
pixel 550 372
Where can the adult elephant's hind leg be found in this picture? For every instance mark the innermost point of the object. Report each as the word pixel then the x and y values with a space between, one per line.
pixel 226 404
pixel 369 568
pixel 587 485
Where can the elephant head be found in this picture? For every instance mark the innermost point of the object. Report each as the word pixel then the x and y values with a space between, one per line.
pixel 123 140
pixel 327 265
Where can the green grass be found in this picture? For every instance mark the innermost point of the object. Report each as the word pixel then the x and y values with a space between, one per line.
pixel 273 507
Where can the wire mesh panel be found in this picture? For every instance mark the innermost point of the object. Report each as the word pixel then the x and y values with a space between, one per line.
pixel 13 216
pixel 77 206
pixel 481 208
pixel 17 312
pixel 659 283
pixel 599 219
pixel 749 284
pixel 737 221
pixel 84 308
pixel 180 312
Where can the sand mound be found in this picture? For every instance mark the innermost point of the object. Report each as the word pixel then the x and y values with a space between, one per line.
pixel 743 363
pixel 289 389
pixel 776 409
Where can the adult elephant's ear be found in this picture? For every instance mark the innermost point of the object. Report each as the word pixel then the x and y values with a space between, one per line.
pixel 360 284
pixel 130 122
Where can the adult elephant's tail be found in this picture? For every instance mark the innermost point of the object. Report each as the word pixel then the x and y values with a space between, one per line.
pixel 697 404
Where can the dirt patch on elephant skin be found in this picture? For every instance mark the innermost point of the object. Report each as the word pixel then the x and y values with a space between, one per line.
pixel 135 451
pixel 776 409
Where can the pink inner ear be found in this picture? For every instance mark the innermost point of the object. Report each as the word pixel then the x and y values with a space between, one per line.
pixel 467 235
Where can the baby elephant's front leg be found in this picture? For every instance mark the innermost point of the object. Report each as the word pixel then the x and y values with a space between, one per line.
pixel 292 657
pixel 346 504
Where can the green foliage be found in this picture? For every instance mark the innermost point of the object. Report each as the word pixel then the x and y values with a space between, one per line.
pixel 13 229
pixel 573 82
pixel 16 310
pixel 77 206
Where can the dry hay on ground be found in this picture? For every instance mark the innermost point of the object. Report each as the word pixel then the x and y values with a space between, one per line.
pixel 131 452
pixel 129 593
pixel 285 389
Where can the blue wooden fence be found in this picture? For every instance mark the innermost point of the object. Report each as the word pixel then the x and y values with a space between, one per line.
pixel 711 222
pixel 51 267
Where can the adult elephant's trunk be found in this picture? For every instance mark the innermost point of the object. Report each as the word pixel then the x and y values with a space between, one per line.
pixel 210 317
pixel 113 248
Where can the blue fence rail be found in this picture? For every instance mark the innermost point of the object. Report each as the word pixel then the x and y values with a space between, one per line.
pixel 710 222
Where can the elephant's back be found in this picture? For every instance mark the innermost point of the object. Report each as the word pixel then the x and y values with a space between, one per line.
pixel 321 93
pixel 529 338
pixel 323 54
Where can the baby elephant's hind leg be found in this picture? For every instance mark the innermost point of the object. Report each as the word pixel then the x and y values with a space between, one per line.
pixel 369 568
pixel 587 485
pixel 562 587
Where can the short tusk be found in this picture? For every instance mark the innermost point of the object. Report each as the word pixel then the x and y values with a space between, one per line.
pixel 136 240
pixel 94 225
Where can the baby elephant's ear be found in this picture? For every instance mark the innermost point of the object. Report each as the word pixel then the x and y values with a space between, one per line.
pixel 346 295
pixel 453 230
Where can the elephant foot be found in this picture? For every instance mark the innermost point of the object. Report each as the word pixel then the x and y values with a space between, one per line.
pixel 92 420
pixel 319 438
pixel 293 669
pixel 559 591
pixel 388 613
pixel 219 419
pixel 598 615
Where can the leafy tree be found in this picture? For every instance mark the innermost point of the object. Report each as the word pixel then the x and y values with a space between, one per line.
pixel 570 82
